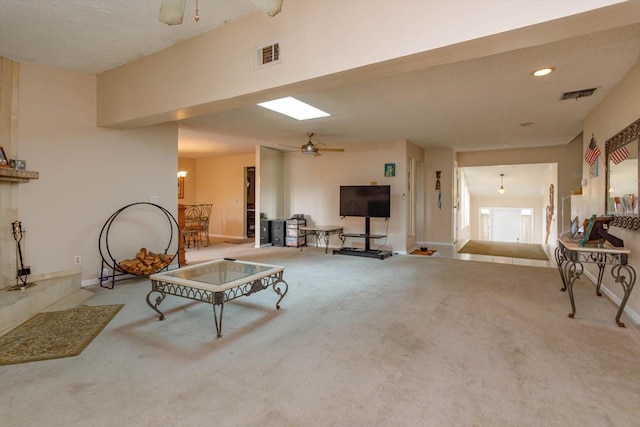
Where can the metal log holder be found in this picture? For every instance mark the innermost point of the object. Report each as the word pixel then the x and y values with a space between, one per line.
pixel 22 271
pixel 110 270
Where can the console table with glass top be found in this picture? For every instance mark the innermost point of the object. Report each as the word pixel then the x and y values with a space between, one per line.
pixel 570 256
pixel 217 282
pixel 322 233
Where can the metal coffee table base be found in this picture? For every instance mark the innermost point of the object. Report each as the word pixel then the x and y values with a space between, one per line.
pixel 163 289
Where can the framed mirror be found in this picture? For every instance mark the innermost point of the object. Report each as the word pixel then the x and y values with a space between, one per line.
pixel 622 184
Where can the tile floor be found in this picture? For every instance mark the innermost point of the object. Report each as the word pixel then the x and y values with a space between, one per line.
pixel 441 251
pixel 452 252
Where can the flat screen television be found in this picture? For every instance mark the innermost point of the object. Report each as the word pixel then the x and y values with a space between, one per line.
pixel 365 200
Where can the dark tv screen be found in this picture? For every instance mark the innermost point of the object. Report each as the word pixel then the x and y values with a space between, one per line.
pixel 365 200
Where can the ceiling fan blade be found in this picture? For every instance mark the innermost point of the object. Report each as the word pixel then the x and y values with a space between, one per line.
pixel 289 146
pixel 337 150
pixel 270 7
pixel 171 11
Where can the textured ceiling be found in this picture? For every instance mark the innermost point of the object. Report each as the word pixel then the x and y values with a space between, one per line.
pixel 96 35
pixel 477 104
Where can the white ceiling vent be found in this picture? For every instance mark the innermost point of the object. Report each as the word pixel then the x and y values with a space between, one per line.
pixel 578 94
pixel 267 55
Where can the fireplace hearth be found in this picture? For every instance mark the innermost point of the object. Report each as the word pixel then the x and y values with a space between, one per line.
pixel 10 181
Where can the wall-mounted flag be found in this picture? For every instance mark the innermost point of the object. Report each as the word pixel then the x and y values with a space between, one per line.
pixel 593 152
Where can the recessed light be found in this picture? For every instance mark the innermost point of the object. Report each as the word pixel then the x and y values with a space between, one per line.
pixel 293 107
pixel 543 71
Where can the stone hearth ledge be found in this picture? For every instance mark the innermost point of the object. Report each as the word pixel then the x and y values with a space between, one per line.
pixel 19 305
pixel 17 175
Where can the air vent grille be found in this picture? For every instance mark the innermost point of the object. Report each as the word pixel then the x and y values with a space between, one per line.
pixel 577 94
pixel 268 54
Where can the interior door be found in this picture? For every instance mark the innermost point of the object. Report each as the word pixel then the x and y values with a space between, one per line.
pixel 506 225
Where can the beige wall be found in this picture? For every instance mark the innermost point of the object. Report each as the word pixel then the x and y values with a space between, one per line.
pixel 439 228
pixel 86 172
pixel 270 183
pixel 221 181
pixel 190 181
pixel 617 111
pixel 539 204
pixel 568 158
pixel 309 185
pixel 191 79
pixel 416 153
pixel 312 187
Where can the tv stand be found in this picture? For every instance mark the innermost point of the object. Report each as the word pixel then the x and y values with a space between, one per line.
pixel 367 251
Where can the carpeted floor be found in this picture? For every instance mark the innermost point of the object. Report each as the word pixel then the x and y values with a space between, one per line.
pixel 504 249
pixel 404 341
pixel 56 334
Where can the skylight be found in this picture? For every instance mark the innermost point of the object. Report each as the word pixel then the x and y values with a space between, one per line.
pixel 295 108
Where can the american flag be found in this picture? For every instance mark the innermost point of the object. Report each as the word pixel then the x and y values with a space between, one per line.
pixel 593 152
pixel 619 155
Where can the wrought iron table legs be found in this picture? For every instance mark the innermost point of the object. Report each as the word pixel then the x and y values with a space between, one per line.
pixel 324 239
pixel 218 299
pixel 159 299
pixel 626 276
pixel 560 259
pixel 163 289
pixel 571 270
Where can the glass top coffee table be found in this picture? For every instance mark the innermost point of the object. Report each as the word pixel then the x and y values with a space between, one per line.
pixel 217 282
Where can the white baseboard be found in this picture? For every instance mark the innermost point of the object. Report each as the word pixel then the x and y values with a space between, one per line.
pixel 418 244
pixel 90 282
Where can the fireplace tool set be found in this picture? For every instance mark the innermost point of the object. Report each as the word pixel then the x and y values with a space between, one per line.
pixel 23 271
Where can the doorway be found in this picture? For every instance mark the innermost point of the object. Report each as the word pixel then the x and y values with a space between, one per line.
pixel 506 225
pixel 250 201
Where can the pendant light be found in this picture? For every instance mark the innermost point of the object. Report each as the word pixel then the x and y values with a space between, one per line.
pixel 501 190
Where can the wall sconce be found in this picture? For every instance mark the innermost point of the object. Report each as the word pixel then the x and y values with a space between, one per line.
pixel 181 175
pixel 501 190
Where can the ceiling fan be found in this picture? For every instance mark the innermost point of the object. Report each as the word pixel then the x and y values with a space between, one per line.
pixel 172 11
pixel 314 149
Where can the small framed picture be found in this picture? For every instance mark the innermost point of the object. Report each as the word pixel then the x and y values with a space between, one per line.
pixel 18 164
pixel 4 162
pixel 389 169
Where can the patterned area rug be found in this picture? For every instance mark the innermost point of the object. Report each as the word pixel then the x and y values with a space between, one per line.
pixel 511 250
pixel 56 334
